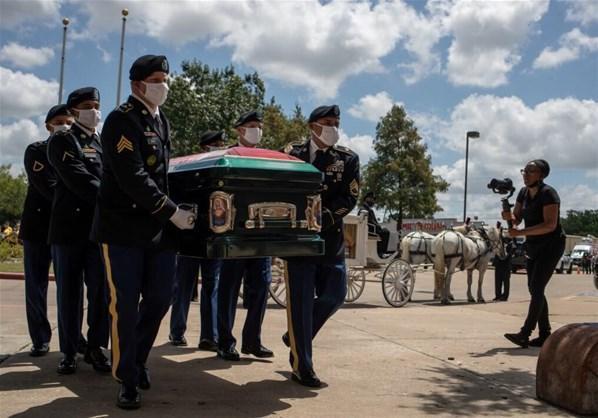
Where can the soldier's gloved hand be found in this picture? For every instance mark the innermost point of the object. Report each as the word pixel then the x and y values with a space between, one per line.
pixel 183 219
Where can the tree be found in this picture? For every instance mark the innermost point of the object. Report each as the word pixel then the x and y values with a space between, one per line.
pixel 400 175
pixel 280 130
pixel 202 98
pixel 581 222
pixel 12 195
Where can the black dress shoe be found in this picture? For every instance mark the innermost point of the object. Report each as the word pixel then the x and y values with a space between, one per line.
pixel 286 340
pixel 230 354
pixel 128 398
pixel 307 379
pixel 178 341
pixel 518 339
pixel 39 350
pixel 82 345
pixel 261 351
pixel 208 345
pixel 144 378
pixel 68 365
pixel 98 360
pixel 538 342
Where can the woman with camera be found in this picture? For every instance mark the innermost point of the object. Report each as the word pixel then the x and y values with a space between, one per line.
pixel 538 205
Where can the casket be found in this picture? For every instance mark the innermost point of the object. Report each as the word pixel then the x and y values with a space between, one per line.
pixel 249 203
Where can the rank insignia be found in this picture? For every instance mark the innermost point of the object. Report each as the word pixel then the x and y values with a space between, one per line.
pixel 337 167
pixel 354 187
pixel 124 144
pixel 151 160
pixel 67 155
pixel 37 166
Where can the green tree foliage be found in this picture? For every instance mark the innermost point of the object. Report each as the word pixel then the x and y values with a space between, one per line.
pixel 401 175
pixel 581 222
pixel 12 195
pixel 280 130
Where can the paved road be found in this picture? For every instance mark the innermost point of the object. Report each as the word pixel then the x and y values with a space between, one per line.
pixel 420 360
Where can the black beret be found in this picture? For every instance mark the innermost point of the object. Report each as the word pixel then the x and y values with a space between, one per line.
pixel 81 95
pixel 144 66
pixel 369 194
pixel 209 137
pixel 324 112
pixel 252 116
pixel 57 110
pixel 542 165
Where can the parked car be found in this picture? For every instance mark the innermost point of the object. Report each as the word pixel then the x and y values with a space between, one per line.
pixel 564 264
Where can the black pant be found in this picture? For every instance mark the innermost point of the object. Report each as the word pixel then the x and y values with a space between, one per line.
pixel 541 265
pixel 502 278
pixel 384 235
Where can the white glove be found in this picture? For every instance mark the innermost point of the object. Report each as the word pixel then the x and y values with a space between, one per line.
pixel 183 219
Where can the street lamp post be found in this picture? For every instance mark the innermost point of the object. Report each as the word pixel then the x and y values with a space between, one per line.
pixel 470 134
pixel 125 13
pixel 65 23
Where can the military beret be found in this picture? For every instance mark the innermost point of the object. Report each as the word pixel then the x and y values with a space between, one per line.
pixel 252 116
pixel 81 95
pixel 324 112
pixel 57 110
pixel 144 66
pixel 209 137
pixel 369 194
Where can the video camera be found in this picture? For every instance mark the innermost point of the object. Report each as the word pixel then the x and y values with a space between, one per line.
pixel 504 186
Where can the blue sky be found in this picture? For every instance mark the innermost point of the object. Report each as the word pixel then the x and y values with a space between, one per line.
pixel 523 73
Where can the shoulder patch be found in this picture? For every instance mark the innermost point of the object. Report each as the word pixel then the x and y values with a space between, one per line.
pixel 37 166
pixel 344 149
pixel 126 107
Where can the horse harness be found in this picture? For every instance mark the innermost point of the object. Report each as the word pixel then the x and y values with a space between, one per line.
pixel 422 251
pixel 476 240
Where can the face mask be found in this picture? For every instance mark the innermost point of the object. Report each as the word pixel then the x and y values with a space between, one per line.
pixel 156 93
pixel 253 135
pixel 60 128
pixel 329 135
pixel 89 117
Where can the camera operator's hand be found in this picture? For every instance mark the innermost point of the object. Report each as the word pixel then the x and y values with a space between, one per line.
pixel 513 232
pixel 183 219
pixel 507 215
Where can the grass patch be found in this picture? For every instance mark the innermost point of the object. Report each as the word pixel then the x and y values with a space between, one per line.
pixel 12 267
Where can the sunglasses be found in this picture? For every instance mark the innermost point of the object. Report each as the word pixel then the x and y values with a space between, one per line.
pixel 528 171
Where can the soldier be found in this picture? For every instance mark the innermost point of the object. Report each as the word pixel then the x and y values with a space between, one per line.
pixel 134 220
pixel 34 231
pixel 326 275
pixel 257 277
pixel 76 156
pixel 374 227
pixel 187 269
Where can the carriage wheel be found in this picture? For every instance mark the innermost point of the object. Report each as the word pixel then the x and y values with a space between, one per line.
pixel 355 284
pixel 278 287
pixel 398 282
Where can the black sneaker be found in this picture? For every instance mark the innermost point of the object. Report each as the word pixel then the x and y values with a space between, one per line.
pixel 518 339
pixel 538 342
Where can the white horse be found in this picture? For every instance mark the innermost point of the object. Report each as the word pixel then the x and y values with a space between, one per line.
pixel 467 248
pixel 416 248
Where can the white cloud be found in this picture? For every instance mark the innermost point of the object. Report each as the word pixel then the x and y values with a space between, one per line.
pixel 571 46
pixel 14 138
pixel 23 94
pixel 486 40
pixel 18 12
pixel 578 197
pixel 373 106
pixel 360 144
pixel 562 131
pixel 582 11
pixel 25 57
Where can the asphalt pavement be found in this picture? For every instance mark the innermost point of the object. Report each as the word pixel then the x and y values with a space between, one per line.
pixel 423 359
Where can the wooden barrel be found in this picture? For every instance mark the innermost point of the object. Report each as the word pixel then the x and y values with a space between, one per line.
pixel 567 371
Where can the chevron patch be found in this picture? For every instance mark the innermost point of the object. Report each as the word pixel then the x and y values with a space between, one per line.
pixel 124 144
pixel 37 166
pixel 354 187
pixel 66 155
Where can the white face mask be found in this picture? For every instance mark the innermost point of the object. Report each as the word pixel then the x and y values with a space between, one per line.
pixel 252 135
pixel 60 128
pixel 89 117
pixel 156 93
pixel 329 135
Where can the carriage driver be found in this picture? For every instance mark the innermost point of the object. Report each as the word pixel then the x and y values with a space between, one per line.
pixel 324 275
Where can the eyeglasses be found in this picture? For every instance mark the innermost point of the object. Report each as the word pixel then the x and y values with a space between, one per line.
pixel 528 171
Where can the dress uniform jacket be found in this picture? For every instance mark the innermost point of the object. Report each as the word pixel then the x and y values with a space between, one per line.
pixel 35 219
pixel 133 206
pixel 77 160
pixel 340 166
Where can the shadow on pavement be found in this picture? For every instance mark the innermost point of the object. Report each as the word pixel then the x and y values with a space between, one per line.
pixel 464 393
pixel 180 388
pixel 510 351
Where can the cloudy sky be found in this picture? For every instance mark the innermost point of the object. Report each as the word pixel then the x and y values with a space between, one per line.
pixel 523 73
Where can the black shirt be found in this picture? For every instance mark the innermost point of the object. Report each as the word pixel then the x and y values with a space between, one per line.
pixel 533 210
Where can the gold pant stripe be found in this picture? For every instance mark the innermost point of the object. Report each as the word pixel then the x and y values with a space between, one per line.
pixel 290 323
pixel 113 312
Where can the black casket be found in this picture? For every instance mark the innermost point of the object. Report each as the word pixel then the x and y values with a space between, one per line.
pixel 249 203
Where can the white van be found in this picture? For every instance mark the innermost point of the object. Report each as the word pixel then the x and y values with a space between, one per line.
pixel 578 252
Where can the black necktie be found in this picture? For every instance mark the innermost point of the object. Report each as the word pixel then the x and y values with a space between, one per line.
pixel 159 126
pixel 319 159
